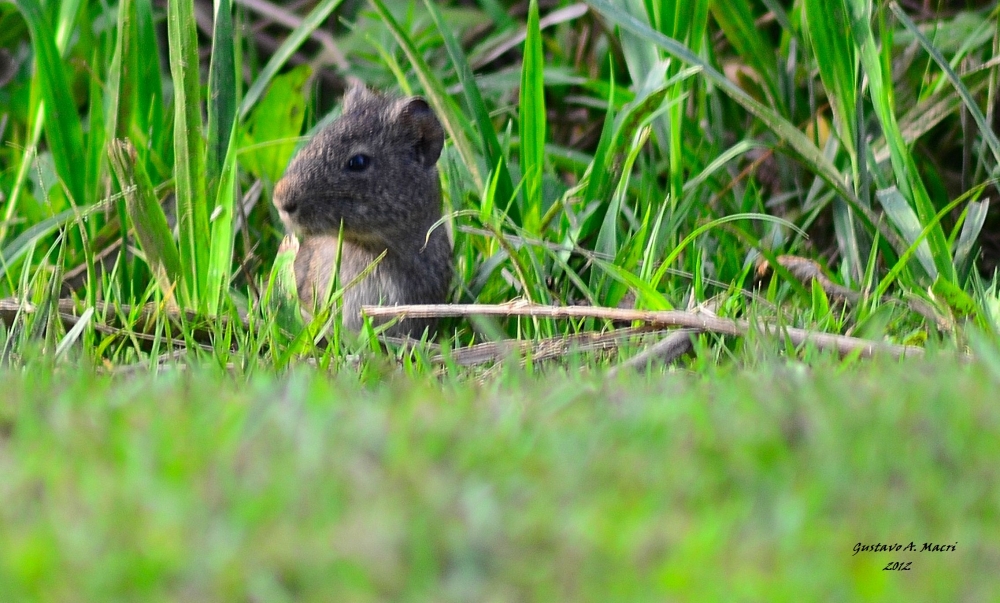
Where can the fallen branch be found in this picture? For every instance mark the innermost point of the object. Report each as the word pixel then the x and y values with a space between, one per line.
pixel 806 271
pixel 670 318
pixel 143 321
pixel 108 319
pixel 546 349
pixel 664 351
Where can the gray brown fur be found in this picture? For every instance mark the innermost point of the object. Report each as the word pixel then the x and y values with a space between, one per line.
pixel 389 206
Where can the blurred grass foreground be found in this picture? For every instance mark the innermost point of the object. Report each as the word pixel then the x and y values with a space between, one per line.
pixel 726 486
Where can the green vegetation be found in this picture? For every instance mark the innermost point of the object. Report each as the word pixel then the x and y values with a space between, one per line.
pixel 645 154
pixel 722 486
pixel 170 429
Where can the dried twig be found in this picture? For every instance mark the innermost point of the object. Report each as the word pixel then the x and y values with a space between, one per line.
pixel 173 357
pixel 664 351
pixel 669 349
pixel 106 318
pixel 146 317
pixel 544 349
pixel 806 271
pixel 672 318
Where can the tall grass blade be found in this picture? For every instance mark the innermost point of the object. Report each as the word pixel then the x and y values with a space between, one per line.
pixel 598 177
pixel 149 110
pixel 68 11
pixel 647 295
pixel 532 121
pixel 150 223
pixel 786 131
pixel 901 214
pixel 975 218
pixel 25 242
pixel 904 258
pixel 95 161
pixel 687 20
pixel 934 109
pixel 827 23
pixel 221 256
pixel 473 97
pixel 222 91
pixel 736 19
pixel 280 296
pixel 845 229
pixel 619 134
pixel 697 232
pixel 740 148
pixel 908 179
pixel 272 131
pixel 189 147
pixel 607 237
pixel 641 57
pixel 35 125
pixel 73 335
pixel 114 101
pixel 970 103
pixel 63 129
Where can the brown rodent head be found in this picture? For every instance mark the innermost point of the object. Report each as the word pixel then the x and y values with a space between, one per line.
pixel 372 169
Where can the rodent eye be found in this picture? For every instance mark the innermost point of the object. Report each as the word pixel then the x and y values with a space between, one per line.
pixel 359 162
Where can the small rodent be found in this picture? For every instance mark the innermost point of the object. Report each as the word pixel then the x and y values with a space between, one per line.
pixel 372 170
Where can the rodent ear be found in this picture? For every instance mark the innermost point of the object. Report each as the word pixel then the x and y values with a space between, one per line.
pixel 417 117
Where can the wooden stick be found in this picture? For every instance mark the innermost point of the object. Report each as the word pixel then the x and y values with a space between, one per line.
pixel 664 351
pixel 10 306
pixel 106 317
pixel 658 319
pixel 545 349
pixel 669 318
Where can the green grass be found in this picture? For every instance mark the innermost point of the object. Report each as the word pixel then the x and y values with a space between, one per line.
pixel 638 153
pixel 719 486
pixel 171 429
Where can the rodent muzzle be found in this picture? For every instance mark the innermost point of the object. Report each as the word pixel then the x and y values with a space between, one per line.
pixel 286 203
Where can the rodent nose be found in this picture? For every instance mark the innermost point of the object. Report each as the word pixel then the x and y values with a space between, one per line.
pixel 282 199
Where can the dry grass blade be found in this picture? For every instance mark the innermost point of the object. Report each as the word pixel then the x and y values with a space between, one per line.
pixel 806 271
pixel 200 327
pixel 545 349
pixel 664 351
pixel 842 344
